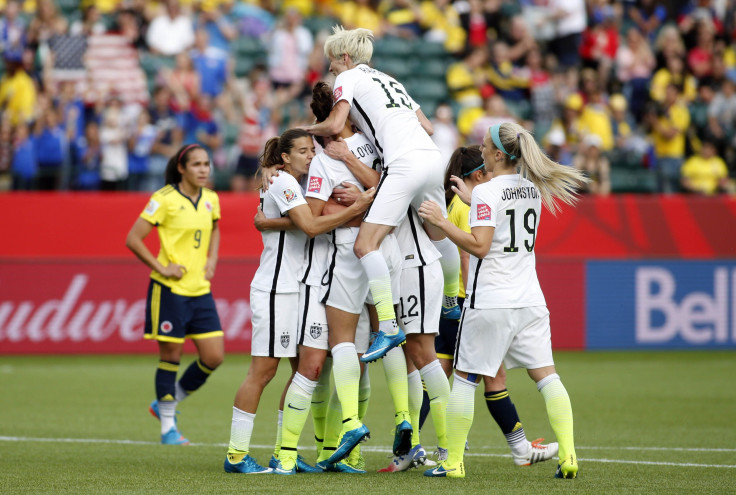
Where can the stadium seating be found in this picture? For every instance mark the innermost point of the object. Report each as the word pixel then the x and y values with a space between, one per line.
pixel 633 181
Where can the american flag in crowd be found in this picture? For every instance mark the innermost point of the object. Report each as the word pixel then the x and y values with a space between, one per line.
pixel 101 64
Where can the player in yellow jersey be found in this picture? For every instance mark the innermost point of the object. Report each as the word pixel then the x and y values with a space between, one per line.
pixel 179 302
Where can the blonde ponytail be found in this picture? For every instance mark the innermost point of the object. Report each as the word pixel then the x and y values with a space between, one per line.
pixel 554 181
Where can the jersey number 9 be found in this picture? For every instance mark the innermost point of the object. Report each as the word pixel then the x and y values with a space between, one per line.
pixel 197 238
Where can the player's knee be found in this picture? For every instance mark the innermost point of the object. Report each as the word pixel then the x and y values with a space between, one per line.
pixel 311 372
pixel 213 362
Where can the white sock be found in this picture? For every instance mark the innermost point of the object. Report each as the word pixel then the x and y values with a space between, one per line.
pixel 166 412
pixel 241 430
pixel 416 394
pixel 180 393
pixel 279 424
pixel 364 393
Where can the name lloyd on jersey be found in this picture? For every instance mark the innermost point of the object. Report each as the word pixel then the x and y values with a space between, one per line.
pixel 71 318
pixel 699 317
pixel 363 151
pixel 519 193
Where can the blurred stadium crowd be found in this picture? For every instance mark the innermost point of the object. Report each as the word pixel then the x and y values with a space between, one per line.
pixel 97 95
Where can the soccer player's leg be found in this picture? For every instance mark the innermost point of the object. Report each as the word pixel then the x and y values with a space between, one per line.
pixel 206 332
pixel 320 401
pixel 294 362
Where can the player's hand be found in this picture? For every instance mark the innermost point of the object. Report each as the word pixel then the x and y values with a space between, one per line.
pixel 365 199
pixel 174 270
pixel 459 188
pixel 259 219
pixel 338 149
pixel 431 212
pixel 347 194
pixel 267 175
pixel 209 269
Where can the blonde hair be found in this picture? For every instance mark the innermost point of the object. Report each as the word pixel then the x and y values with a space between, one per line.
pixel 357 43
pixel 554 181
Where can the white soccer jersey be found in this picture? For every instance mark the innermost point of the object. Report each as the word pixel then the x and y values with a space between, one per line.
pixel 283 252
pixel 315 259
pixel 382 109
pixel 415 245
pixel 506 277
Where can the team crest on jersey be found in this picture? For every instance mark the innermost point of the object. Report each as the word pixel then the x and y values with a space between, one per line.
pixel 285 338
pixel 315 184
pixel 290 195
pixel 152 206
pixel 208 205
pixel 483 211
pixel 166 326
pixel 337 94
pixel 315 330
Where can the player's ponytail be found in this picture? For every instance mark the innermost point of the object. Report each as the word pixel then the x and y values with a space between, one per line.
pixel 277 146
pixel 553 180
pixel 172 174
pixel 321 104
pixel 463 162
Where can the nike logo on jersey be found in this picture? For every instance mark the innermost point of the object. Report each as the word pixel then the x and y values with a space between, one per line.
pixel 406 322
pixel 296 408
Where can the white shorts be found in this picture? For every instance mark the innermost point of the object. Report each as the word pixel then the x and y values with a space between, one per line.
pixel 407 181
pixel 312 318
pixel 346 286
pixel 275 323
pixel 421 298
pixel 518 337
pixel 363 332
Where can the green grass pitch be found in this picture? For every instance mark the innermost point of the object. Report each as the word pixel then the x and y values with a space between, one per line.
pixel 645 422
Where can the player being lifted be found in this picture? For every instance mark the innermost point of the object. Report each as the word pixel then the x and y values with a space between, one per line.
pixel 413 169
pixel 505 318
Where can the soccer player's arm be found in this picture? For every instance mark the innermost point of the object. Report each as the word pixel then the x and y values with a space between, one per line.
pixel 459 216
pixel 338 150
pixel 213 252
pixel 425 122
pixel 334 122
pixel 304 218
pixel 154 214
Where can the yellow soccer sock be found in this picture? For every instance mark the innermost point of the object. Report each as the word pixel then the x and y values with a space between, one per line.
pixel 438 390
pixel 459 418
pixel 333 427
pixel 394 367
pixel 364 394
pixel 296 410
pixel 450 262
pixel 320 400
pixel 279 429
pixel 559 411
pixel 416 393
pixel 346 372
pixel 379 281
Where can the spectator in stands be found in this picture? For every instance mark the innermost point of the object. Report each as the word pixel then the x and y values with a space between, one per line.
pixel 673 72
pixel 543 102
pixel 184 82
pixel 200 126
pixel 140 144
pixel 213 67
pixel 47 23
pixel 171 32
pixel 594 165
pixel 570 20
pixel 669 123
pixel 17 90
pixel 595 118
pixel 621 127
pixel 569 124
pixel 169 137
pixel 479 19
pixel 601 42
pixel 402 18
pixel 722 113
pixel 25 161
pixel 219 22
pixel 90 23
pixel 71 107
pixel 132 25
pixel 635 63
pixel 467 78
pixel 50 145
pixel 445 136
pixel 706 173
pixel 648 16
pixel 495 113
pixel 441 21
pixel 12 29
pixel 6 154
pixel 668 44
pixel 519 40
pixel 700 57
pixel 288 52
pixel 88 152
pixel 360 13
pixel 509 82
pixel 114 141
pixel 556 148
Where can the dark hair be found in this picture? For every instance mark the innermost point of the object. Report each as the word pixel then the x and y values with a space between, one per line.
pixel 321 104
pixel 277 145
pixel 462 163
pixel 172 175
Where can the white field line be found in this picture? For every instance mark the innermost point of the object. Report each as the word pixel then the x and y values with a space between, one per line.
pixel 387 451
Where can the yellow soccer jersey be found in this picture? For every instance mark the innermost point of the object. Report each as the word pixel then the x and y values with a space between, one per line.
pixel 457 213
pixel 184 229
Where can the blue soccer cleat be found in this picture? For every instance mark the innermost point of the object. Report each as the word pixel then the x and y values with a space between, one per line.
pixel 280 469
pixel 153 409
pixel 452 312
pixel 247 466
pixel 273 462
pixel 173 437
pixel 303 467
pixel 446 471
pixel 340 467
pixel 402 438
pixel 382 344
pixel 348 442
pixel 567 469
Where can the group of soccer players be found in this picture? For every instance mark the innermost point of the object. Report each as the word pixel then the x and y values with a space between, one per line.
pixel 349 235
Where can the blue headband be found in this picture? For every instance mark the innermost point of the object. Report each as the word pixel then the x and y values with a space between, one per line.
pixel 476 168
pixel 497 140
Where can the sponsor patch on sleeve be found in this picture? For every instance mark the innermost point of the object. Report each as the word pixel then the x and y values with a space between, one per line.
pixel 315 184
pixel 290 195
pixel 337 93
pixel 151 207
pixel 483 211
